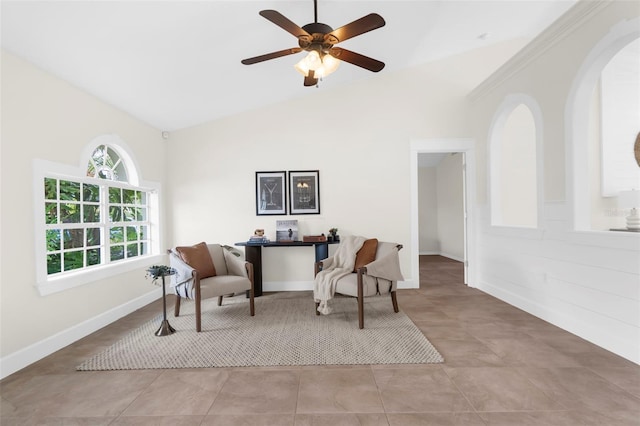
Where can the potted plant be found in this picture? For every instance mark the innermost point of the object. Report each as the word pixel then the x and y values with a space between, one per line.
pixel 158 271
pixel 333 234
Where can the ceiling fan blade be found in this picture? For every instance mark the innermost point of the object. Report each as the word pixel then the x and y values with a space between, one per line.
pixel 356 59
pixel 360 26
pixel 283 22
pixel 310 80
pixel 272 55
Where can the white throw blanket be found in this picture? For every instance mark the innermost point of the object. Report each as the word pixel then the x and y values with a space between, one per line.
pixel 334 268
pixel 182 281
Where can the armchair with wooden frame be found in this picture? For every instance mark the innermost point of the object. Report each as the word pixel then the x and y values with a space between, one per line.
pixel 377 277
pixel 209 270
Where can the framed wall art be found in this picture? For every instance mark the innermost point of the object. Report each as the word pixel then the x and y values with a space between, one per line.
pixel 304 192
pixel 271 193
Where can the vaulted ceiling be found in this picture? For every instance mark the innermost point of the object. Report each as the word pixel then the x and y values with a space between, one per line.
pixel 175 64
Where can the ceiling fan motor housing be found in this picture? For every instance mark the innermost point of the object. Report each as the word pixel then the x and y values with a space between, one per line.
pixel 320 40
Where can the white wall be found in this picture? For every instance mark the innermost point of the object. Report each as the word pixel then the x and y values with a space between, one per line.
pixel 518 169
pixel 451 207
pixel 428 210
pixel 46 118
pixel 584 282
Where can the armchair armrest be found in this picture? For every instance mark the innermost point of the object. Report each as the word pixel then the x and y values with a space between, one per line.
pixel 184 272
pixel 325 263
pixel 387 266
pixel 236 265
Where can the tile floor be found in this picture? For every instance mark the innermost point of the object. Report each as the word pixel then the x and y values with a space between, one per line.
pixel 502 367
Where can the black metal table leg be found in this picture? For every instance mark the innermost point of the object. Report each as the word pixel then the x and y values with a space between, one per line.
pixel 165 328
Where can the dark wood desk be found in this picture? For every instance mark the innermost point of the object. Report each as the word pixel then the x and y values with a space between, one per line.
pixel 253 254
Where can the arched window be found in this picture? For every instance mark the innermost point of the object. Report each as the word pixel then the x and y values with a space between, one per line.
pixel 514 144
pixel 93 217
pixel 106 163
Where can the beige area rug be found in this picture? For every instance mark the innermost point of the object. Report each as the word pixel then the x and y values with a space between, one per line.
pixel 284 332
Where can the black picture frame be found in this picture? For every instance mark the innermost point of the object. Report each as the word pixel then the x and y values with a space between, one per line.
pixel 271 193
pixel 304 192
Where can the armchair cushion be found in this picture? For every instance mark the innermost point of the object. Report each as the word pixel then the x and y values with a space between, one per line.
pixel 366 254
pixel 199 258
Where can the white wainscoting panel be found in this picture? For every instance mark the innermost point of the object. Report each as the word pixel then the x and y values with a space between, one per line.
pixel 587 283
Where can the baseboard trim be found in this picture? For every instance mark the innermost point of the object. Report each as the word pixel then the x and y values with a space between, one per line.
pixel 439 253
pixel 35 352
pixel 627 350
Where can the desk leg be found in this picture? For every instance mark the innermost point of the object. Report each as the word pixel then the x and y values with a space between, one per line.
pixel 253 254
pixel 322 251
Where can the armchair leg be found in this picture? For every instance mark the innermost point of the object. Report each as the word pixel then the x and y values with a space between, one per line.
pixel 252 307
pixel 220 300
pixel 198 319
pixel 394 300
pixel 176 308
pixel 361 312
pixel 317 304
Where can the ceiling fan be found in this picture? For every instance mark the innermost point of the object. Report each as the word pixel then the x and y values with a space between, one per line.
pixel 319 39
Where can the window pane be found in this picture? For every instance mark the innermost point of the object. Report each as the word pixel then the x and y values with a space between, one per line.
pixel 51 212
pixel 129 214
pixel 132 233
pixel 144 248
pixel 91 213
pixel 93 237
pixel 69 190
pixel 73 238
pixel 54 265
pixel 139 197
pixel 70 213
pixel 93 257
pixel 128 196
pixel 115 214
pixel 73 260
pixel 116 234
pixel 141 214
pixel 115 195
pixel 91 193
pixel 132 250
pixel 53 240
pixel 111 156
pixel 121 173
pixel 50 189
pixel 144 233
pixel 117 253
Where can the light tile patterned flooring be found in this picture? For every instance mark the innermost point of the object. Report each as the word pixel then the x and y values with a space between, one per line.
pixel 502 367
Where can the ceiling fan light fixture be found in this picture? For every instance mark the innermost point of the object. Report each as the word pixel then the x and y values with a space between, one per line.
pixel 310 62
pixel 330 64
pixel 321 67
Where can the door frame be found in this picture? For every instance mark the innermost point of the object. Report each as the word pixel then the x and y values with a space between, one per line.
pixel 453 145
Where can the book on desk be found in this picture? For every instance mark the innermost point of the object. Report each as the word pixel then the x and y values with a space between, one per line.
pixel 286 231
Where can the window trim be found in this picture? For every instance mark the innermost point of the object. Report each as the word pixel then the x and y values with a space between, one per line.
pixel 47 284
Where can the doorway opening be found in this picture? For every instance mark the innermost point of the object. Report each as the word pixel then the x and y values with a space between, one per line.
pixel 424 148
